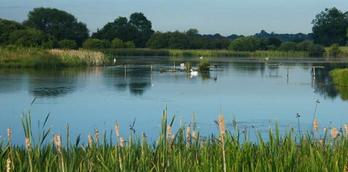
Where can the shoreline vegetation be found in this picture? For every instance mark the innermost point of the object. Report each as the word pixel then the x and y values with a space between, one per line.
pixel 182 149
pixel 13 56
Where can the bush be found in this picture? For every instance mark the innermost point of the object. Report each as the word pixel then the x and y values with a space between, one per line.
pixel 117 43
pixel 334 50
pixel 288 46
pixel 316 50
pixel 129 44
pixel 92 43
pixel 67 44
pixel 304 45
pixel 30 38
pixel 245 44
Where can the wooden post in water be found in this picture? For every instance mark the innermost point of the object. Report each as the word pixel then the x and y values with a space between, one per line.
pixel 125 71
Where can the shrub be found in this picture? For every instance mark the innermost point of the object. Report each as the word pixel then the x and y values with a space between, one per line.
pixel 117 43
pixel 245 44
pixel 129 44
pixel 30 38
pixel 67 44
pixel 316 50
pixel 334 50
pixel 304 45
pixel 288 46
pixel 93 43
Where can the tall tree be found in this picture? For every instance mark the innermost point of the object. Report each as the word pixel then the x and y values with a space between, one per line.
pixel 60 24
pixel 330 27
pixel 143 27
pixel 6 28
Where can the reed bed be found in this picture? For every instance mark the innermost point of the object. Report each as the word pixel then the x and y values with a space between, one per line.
pixel 42 58
pixel 77 57
pixel 181 150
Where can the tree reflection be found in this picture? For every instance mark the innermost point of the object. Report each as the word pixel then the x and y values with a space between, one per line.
pixel 322 82
pixel 52 83
pixel 137 79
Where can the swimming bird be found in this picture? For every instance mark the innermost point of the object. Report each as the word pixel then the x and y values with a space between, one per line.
pixel 193 73
pixel 114 60
pixel 267 58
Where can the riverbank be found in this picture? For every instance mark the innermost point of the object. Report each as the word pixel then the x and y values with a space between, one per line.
pixel 44 58
pixel 182 149
pixel 340 79
pixel 205 53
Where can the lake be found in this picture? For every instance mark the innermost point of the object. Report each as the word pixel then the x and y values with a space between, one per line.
pixel 256 93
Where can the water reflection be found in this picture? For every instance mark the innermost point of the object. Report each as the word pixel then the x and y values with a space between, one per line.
pixel 52 83
pixel 136 79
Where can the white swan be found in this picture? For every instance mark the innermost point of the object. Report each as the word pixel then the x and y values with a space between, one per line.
pixel 201 57
pixel 193 73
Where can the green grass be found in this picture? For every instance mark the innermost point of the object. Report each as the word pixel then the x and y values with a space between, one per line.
pixel 340 79
pixel 206 53
pixel 43 58
pixel 183 150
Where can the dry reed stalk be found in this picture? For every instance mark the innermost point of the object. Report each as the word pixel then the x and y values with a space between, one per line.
pixel 194 135
pixel 9 136
pixel 221 122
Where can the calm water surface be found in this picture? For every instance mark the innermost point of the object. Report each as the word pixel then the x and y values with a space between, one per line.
pixel 255 94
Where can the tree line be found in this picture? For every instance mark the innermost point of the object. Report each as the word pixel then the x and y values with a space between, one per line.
pixel 54 28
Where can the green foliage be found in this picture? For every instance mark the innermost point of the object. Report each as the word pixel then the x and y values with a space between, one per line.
pixel 330 27
pixel 334 50
pixel 117 43
pixel 340 79
pixel 245 44
pixel 288 46
pixel 92 43
pixel 158 40
pixel 181 149
pixel 30 38
pixel 138 29
pixel 67 44
pixel 129 44
pixel 273 43
pixel 204 66
pixel 60 24
pixel 14 56
pixel 6 28
pixel 143 27
pixel 316 50
pixel 178 40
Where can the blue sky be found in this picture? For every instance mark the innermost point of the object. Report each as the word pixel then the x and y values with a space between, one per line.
pixel 208 16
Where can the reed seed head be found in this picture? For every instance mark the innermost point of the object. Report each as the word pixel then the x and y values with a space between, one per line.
pixel 27 144
pixel 315 124
pixel 9 135
pixel 221 122
pixel 334 133
pixel 194 135
pixel 170 135
pixel 90 140
pixel 122 142
pixel 57 142
pixel 188 135
pixel 346 129
pixel 96 134
pixel 8 165
pixel 117 129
